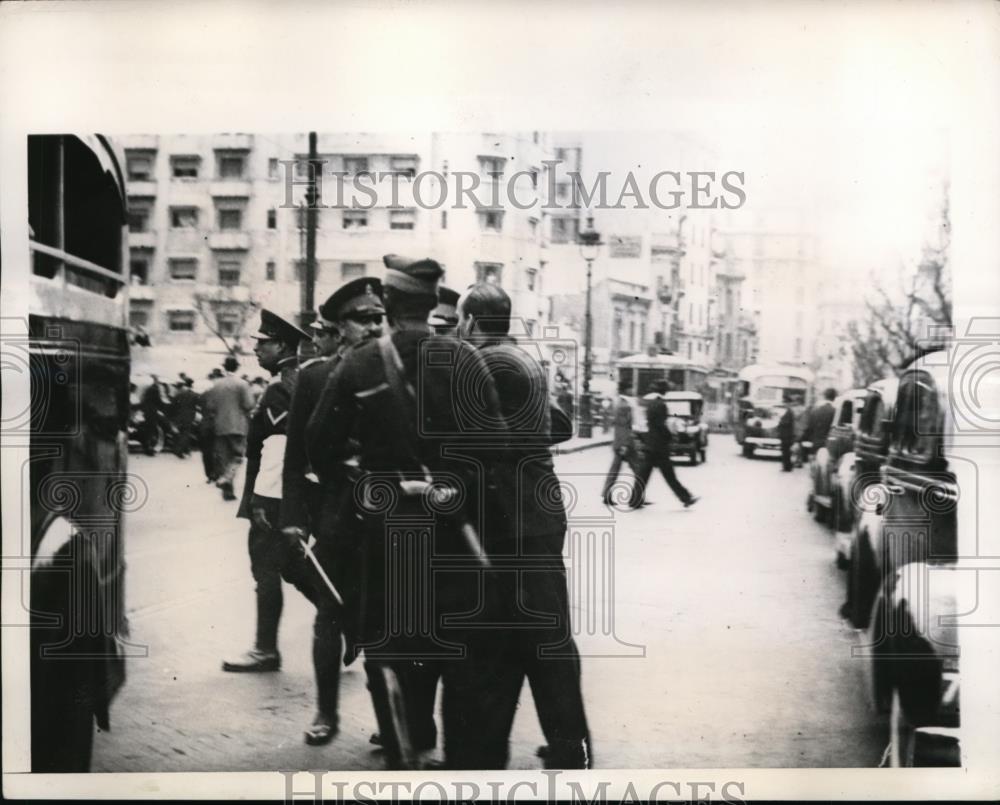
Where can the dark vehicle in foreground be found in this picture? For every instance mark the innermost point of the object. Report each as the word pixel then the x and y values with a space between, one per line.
pixel 79 488
pixel 911 636
pixel 690 433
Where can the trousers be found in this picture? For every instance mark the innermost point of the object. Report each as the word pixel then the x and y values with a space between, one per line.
pixel 229 449
pixel 657 457
pixel 620 456
pixel 273 559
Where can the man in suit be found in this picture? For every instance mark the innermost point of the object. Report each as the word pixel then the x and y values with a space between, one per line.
pixel 183 413
pixel 310 502
pixel 819 421
pixel 526 525
pixel 397 397
pixel 270 555
pixel 657 451
pixel 228 405
pixel 623 443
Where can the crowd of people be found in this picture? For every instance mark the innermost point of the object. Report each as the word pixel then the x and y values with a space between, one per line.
pixel 402 480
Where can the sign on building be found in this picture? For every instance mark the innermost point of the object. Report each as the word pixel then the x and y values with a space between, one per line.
pixel 625 246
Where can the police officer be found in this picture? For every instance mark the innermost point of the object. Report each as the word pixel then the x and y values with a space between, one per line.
pixel 270 557
pixel 400 396
pixel 351 315
pixel 528 528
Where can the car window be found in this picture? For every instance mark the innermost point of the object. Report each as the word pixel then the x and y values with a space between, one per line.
pixel 918 413
pixel 846 412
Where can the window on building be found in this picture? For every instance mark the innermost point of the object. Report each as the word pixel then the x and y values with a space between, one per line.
pixel 227 322
pixel 403 166
pixel 272 168
pixel 272 219
pixel 402 219
pixel 183 217
pixel 564 230
pixel 729 346
pixel 230 269
pixel 139 215
pixel 444 219
pixel 270 271
pixel 231 164
pixel 139 165
pixel 642 335
pixel 180 320
pixel 534 137
pixel 489 272
pixel 562 190
pixel 561 154
pixel 492 167
pixel 617 331
pixel 230 218
pixel 798 348
pixel 355 219
pixel 138 267
pixel 183 268
pixel 491 220
pixel 631 335
pixel 689 350
pixel 185 167
pixel 138 314
pixel 350 271
pixel 354 165
pixel 531 276
pixel 533 227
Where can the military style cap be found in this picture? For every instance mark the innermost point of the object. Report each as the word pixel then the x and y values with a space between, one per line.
pixel 446 312
pixel 361 295
pixel 274 328
pixel 412 276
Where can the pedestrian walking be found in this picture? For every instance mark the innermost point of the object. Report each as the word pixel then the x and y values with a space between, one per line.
pixel 183 413
pixel 623 444
pixel 152 404
pixel 310 502
pixel 270 555
pixel 786 434
pixel 416 462
pixel 228 405
pixel 656 452
pixel 526 521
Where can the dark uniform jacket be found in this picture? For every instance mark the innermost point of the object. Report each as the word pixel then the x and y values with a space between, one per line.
pixel 786 427
pixel 269 421
pixel 455 403
pixel 300 492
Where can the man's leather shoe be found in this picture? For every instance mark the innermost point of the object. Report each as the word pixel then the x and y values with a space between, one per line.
pixel 691 501
pixel 254 662
pixel 322 731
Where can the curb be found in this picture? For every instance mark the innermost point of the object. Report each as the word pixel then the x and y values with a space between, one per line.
pixel 557 451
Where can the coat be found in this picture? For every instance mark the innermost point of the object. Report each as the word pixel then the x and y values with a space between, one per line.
pixel 818 424
pixel 786 427
pixel 658 435
pixel 228 404
pixel 623 426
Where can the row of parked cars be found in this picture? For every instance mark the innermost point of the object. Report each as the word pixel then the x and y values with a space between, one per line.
pixel 885 486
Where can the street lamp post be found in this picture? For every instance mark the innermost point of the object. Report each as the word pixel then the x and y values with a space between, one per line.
pixel 590 243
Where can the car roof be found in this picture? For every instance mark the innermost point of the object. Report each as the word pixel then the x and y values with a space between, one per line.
pixel 682 395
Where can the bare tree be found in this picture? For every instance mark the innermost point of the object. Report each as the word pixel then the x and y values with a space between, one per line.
pixel 900 325
pixel 225 315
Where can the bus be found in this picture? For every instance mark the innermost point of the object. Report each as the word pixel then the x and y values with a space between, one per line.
pixel 78 350
pixel 640 372
pixel 762 389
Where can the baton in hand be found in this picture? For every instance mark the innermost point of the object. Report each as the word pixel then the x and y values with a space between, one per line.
pixel 307 549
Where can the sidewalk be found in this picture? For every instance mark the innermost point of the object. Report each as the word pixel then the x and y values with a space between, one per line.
pixel 578 443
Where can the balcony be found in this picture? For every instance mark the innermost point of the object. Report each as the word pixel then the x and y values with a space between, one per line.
pixel 232 241
pixel 230 188
pixel 142 240
pixel 142 187
pixel 141 293
pixel 233 141
pixel 222 293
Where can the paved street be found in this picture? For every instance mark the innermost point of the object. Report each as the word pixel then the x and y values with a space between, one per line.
pixel 735 600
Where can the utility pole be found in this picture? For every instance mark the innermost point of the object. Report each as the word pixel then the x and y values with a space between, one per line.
pixel 312 222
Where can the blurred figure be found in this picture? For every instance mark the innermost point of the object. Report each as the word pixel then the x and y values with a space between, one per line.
pixel 786 433
pixel 151 404
pixel 656 452
pixel 183 413
pixel 623 445
pixel 228 404
pixel 818 423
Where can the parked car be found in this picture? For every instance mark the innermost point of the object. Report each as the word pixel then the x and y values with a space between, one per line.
pixel 832 469
pixel 914 549
pixel 871 449
pixel 690 432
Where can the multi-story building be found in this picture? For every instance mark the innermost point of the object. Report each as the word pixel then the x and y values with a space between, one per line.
pixel 216 221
